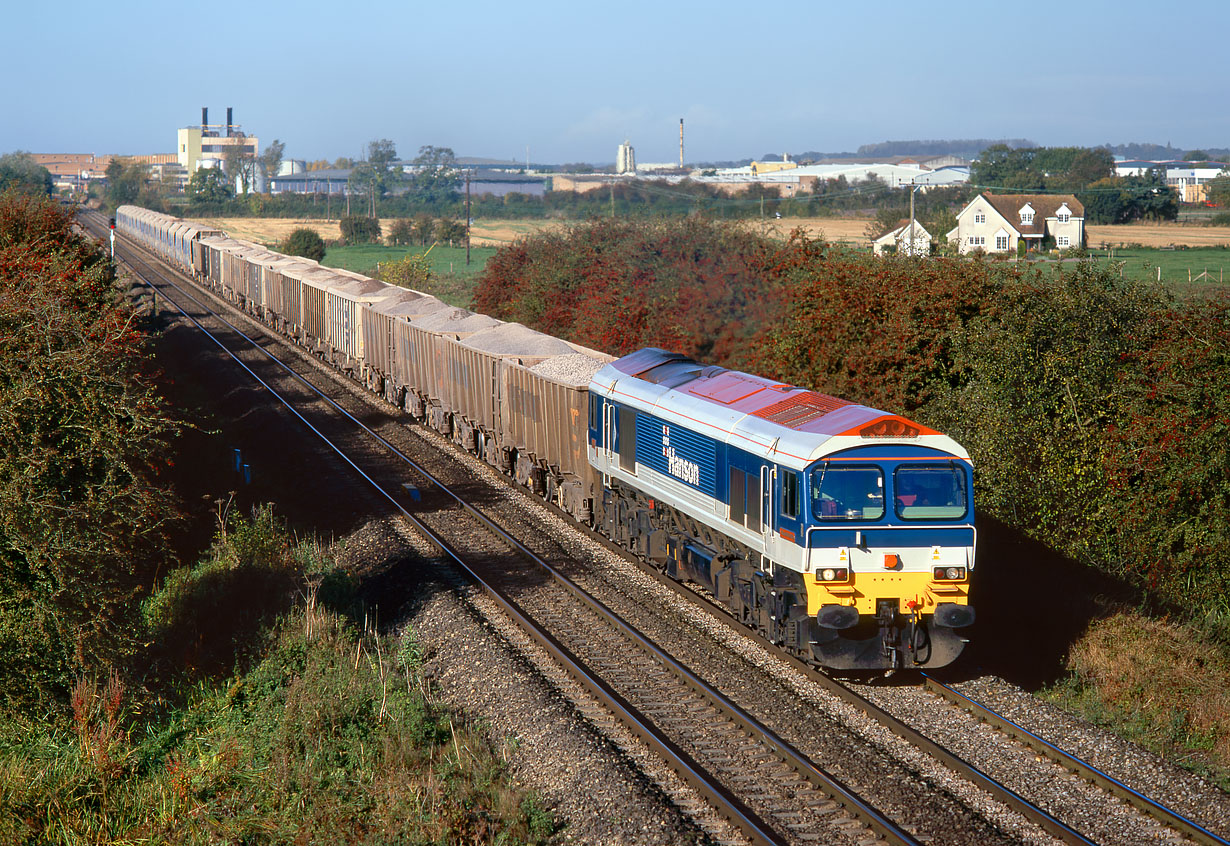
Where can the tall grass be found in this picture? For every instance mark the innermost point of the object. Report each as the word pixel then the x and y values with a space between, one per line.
pixel 328 733
pixel 1157 682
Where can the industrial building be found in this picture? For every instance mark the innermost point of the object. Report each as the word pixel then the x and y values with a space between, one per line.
pixel 207 145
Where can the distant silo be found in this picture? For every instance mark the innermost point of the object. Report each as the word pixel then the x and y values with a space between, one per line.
pixel 625 158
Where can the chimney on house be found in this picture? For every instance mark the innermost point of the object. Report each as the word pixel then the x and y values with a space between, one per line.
pixel 228 121
pixel 204 119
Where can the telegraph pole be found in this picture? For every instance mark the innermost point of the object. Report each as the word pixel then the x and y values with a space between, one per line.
pixel 913 188
pixel 467 218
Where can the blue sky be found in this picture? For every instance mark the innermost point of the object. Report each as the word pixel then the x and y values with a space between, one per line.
pixel 570 80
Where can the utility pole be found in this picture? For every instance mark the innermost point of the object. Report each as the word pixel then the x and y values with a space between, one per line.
pixel 467 218
pixel 913 188
pixel 612 187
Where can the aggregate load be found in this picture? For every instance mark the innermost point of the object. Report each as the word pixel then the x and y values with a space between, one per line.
pixel 517 339
pixel 455 320
pixel 574 369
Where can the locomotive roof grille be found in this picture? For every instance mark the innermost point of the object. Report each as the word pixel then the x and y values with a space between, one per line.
pixel 801 408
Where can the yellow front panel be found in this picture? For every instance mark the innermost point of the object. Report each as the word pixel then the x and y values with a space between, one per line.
pixel 863 589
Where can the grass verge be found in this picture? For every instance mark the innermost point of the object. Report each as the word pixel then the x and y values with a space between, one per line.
pixel 1158 683
pixel 326 733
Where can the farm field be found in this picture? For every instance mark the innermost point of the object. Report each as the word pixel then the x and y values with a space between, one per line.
pixel 270 230
pixel 444 260
pixel 1157 235
pixel 838 230
pixel 1188 269
pixel 1203 253
pixel 453 282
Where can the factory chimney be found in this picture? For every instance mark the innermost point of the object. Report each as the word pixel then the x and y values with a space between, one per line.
pixel 228 121
pixel 680 143
pixel 204 119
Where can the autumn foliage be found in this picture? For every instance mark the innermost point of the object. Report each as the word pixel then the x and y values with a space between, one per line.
pixel 82 516
pixel 1095 409
pixel 618 285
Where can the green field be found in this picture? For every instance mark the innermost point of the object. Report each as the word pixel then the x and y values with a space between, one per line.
pixel 1201 267
pixel 454 280
pixel 444 260
pixel 1190 269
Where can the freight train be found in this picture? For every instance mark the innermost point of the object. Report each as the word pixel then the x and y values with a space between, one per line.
pixel 842 533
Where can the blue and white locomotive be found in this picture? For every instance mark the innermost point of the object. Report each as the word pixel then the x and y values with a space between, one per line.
pixel 845 534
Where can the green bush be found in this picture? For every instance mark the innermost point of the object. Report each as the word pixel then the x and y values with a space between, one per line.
pixel 401 233
pixel 360 230
pixel 304 242
pixel 84 516
pixel 206 617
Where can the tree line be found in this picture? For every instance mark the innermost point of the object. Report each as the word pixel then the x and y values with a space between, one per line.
pixel 381 187
pixel 1089 173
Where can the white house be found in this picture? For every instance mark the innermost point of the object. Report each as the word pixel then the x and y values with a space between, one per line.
pixel 997 223
pixel 899 239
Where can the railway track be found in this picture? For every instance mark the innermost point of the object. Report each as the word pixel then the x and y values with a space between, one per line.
pixel 1153 808
pixel 760 781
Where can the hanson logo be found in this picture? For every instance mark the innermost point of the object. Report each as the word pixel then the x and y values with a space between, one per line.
pixel 680 468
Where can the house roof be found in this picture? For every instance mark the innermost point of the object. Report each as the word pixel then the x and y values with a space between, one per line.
pixel 899 231
pixel 1044 205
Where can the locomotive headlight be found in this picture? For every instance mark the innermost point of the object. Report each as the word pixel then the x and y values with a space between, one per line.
pixel 949 574
pixel 834 574
pixel 828 575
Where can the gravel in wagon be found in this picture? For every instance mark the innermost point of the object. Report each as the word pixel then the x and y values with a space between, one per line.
pixel 516 339
pixel 455 320
pixel 575 369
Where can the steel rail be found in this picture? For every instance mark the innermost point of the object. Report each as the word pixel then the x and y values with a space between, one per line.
pixel 1109 783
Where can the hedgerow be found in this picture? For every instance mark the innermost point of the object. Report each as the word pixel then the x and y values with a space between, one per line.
pixel 84 513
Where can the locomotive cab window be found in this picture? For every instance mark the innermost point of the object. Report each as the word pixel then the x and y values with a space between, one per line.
pixel 595 411
pixel 847 492
pixel 627 439
pixel 790 494
pixel 930 492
